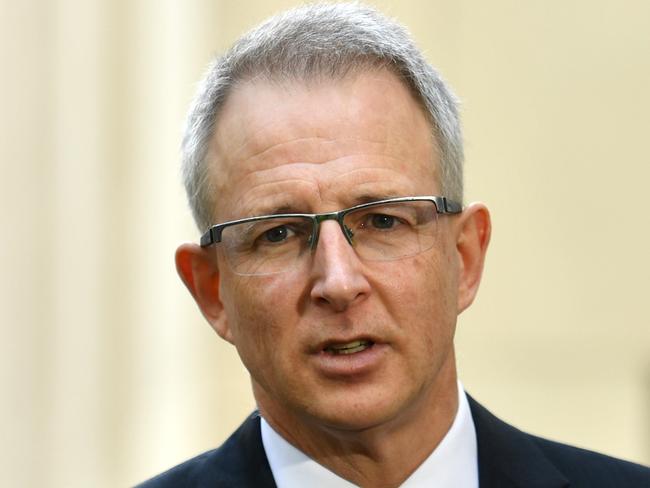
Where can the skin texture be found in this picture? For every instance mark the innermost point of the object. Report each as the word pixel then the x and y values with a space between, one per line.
pixel 375 416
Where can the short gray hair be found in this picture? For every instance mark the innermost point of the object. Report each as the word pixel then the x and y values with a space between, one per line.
pixel 318 40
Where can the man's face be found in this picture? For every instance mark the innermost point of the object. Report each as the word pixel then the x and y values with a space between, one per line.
pixel 322 147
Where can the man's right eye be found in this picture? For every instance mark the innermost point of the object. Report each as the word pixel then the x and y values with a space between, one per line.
pixel 276 234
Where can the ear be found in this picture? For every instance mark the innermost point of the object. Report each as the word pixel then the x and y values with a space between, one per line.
pixel 198 269
pixel 473 237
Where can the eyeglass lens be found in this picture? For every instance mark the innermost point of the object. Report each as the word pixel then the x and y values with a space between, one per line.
pixel 378 233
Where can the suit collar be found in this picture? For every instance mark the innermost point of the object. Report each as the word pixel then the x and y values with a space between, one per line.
pixel 508 458
pixel 241 460
pixel 453 463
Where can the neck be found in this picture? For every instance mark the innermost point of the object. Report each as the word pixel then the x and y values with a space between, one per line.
pixel 384 455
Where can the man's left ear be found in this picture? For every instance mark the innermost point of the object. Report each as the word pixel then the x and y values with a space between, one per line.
pixel 473 237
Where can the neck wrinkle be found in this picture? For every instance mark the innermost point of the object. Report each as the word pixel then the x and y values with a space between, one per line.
pixel 381 456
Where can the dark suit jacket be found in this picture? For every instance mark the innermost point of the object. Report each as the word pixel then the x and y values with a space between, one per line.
pixel 507 457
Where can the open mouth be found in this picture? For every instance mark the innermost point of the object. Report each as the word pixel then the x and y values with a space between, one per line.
pixel 348 347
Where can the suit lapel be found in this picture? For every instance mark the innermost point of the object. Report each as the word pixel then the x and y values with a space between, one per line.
pixel 509 458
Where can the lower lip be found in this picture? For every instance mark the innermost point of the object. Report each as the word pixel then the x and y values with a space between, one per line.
pixel 347 366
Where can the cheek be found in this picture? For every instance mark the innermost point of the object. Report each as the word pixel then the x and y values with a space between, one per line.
pixel 259 310
pixel 421 297
pixel 436 292
pixel 426 281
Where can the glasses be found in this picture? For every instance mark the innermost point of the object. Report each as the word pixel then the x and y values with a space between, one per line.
pixel 384 230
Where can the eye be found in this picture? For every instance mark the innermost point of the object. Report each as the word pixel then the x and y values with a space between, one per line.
pixel 382 221
pixel 268 234
pixel 277 234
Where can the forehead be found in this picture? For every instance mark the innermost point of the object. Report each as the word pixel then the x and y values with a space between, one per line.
pixel 321 143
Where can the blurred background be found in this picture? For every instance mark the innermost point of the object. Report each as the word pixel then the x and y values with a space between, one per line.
pixel 109 373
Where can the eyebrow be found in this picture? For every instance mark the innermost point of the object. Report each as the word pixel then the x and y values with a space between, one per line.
pixel 374 197
pixel 295 209
pixel 276 210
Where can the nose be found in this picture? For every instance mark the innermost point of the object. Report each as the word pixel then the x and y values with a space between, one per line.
pixel 338 274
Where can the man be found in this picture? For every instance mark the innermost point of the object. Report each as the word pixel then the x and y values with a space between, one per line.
pixel 323 160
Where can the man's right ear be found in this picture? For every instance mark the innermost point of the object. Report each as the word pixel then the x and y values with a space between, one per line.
pixel 198 269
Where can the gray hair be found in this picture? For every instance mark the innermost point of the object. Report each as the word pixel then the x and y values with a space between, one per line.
pixel 319 40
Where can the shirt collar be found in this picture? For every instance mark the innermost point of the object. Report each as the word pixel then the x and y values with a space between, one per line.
pixel 453 463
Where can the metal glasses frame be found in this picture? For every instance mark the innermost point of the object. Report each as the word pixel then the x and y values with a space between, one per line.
pixel 443 206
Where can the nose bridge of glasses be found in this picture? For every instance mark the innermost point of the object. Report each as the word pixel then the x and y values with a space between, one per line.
pixel 320 218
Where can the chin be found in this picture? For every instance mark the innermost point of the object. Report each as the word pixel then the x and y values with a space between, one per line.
pixel 356 414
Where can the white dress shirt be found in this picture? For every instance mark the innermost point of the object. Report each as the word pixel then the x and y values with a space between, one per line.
pixel 453 463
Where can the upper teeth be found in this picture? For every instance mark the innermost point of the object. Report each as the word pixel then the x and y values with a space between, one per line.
pixel 348 348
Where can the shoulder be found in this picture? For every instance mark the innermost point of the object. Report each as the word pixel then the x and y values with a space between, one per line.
pixel 186 474
pixel 586 468
pixel 240 461
pixel 506 453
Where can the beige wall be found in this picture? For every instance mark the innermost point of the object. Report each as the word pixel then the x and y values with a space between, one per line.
pixel 109 373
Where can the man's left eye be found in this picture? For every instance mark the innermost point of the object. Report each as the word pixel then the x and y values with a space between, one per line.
pixel 382 221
